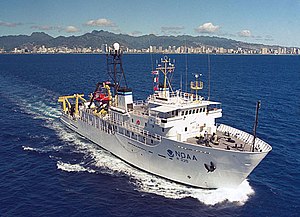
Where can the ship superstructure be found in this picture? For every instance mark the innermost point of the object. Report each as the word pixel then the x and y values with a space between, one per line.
pixel 172 134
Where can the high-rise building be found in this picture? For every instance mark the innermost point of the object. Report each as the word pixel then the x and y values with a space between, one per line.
pixel 104 48
pixel 264 50
pixel 160 49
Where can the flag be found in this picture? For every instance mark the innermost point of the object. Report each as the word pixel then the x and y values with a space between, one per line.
pixel 155 79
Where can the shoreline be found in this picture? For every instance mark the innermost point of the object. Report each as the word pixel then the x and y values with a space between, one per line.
pixel 145 53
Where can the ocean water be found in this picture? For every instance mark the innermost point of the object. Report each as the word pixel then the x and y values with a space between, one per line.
pixel 47 170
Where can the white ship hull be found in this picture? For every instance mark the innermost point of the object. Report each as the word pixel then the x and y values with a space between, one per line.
pixel 177 161
pixel 173 134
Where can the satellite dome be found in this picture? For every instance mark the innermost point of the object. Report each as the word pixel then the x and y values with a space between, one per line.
pixel 116 46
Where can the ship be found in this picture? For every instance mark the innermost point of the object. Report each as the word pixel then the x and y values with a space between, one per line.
pixel 172 134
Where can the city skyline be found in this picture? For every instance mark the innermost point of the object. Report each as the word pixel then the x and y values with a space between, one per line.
pixel 104 48
pixel 263 22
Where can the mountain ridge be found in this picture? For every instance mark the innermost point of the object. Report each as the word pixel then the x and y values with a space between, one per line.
pixel 96 38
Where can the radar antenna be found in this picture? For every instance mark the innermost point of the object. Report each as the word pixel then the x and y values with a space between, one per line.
pixel 197 85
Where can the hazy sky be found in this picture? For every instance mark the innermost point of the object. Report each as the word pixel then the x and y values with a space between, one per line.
pixel 275 22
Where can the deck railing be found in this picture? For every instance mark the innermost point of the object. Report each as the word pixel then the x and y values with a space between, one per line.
pixel 247 138
pixel 185 97
pixel 110 125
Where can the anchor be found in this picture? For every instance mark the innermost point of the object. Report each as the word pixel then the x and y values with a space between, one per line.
pixel 210 168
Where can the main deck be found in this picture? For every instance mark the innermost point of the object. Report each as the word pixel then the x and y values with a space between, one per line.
pixel 229 138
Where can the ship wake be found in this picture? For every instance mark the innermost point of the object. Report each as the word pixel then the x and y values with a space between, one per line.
pixel 104 162
pixel 165 188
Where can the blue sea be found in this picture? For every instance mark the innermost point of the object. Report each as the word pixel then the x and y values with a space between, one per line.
pixel 48 170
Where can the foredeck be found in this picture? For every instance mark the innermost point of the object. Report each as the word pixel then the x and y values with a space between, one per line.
pixel 229 138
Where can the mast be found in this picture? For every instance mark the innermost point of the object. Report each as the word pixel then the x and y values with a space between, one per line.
pixel 255 124
pixel 186 68
pixel 208 60
pixel 115 67
pixel 165 68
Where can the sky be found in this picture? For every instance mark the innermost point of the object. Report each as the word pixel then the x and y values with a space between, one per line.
pixel 271 22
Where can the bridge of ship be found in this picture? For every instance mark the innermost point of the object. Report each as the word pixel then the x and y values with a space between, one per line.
pixel 226 137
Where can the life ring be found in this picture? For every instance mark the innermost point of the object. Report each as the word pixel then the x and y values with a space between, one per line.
pixel 138 122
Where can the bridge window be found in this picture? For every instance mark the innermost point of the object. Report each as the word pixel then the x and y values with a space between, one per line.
pixel 185 129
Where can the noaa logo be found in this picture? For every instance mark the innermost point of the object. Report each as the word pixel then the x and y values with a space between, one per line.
pixel 170 153
pixel 181 155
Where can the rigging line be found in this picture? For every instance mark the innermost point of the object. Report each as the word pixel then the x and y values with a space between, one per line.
pixel 186 67
pixel 170 85
pixel 151 55
pixel 122 70
pixel 99 72
pixel 172 74
pixel 208 62
pixel 181 77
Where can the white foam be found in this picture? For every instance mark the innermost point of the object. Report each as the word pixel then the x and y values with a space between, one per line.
pixel 73 167
pixel 27 148
pixel 30 99
pixel 43 149
pixel 148 183
pixel 168 189
pixel 38 109
pixel 152 184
